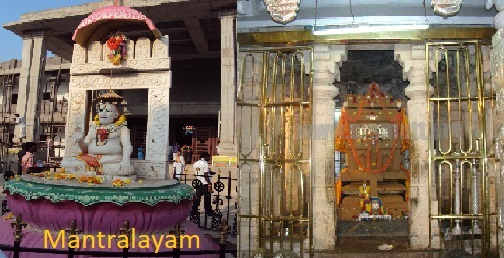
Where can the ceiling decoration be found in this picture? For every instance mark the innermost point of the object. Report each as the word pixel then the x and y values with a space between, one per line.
pixel 446 7
pixel 282 11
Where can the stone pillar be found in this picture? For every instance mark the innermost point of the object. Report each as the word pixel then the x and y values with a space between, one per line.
pixel 324 213
pixel 32 73
pixel 412 58
pixel 228 143
pixel 497 67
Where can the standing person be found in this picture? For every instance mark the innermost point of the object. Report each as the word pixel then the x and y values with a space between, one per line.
pixel 20 155
pixel 175 149
pixel 189 155
pixel 203 174
pixel 170 152
pixel 185 153
pixel 27 162
pixel 178 166
pixel 217 148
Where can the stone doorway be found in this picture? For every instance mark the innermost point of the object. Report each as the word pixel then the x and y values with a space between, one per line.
pixel 389 187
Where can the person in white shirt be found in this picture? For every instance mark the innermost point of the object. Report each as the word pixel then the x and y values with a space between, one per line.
pixel 203 174
pixel 178 166
pixel 217 148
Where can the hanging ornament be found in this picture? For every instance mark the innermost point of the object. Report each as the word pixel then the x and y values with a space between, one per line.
pixel 282 11
pixel 446 7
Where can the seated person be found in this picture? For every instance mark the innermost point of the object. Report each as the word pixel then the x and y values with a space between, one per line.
pixel 106 149
pixel 27 162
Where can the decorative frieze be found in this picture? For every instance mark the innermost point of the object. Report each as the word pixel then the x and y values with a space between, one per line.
pixel 95 52
pixel 143 48
pixel 160 48
pixel 154 64
pixel 125 81
pixel 150 169
pixel 79 55
pixel 282 11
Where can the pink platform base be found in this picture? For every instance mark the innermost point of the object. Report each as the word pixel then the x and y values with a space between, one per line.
pixel 35 239
pixel 107 218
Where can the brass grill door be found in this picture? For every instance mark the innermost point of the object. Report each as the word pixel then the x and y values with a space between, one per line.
pixel 458 146
pixel 274 110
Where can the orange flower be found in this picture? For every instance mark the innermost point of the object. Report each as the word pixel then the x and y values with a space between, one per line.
pixel 113 43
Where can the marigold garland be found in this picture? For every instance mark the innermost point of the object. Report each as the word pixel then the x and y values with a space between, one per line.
pixel 112 127
pixel 117 44
pixel 114 42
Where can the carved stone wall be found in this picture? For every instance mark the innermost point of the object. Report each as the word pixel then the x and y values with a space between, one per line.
pixel 75 121
pixel 147 67
pixel 157 125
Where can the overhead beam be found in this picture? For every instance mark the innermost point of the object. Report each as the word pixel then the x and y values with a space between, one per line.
pixel 197 34
pixel 211 54
pixel 276 38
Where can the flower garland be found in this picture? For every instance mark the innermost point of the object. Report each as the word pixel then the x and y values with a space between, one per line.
pixel 111 127
pixel 118 46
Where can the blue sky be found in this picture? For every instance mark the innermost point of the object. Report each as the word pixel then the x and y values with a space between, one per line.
pixel 10 43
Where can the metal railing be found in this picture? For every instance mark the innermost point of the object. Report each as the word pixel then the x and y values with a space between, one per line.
pixel 458 139
pixel 223 189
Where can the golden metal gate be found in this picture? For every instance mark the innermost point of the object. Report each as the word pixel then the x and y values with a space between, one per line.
pixel 458 156
pixel 274 110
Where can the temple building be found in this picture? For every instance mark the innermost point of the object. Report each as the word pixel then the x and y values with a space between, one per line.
pixel 201 39
pixel 369 128
pixel 361 127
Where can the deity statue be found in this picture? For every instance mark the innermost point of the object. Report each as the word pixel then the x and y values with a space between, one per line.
pixel 106 149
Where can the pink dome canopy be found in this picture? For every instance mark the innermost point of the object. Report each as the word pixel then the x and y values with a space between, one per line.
pixel 88 29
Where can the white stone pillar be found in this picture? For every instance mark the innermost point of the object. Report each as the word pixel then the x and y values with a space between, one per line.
pixel 412 58
pixel 32 74
pixel 324 213
pixel 497 64
pixel 227 144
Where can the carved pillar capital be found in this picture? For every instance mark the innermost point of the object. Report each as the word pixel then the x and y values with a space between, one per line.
pixel 327 60
pixel 410 57
pixel 325 92
pixel 418 91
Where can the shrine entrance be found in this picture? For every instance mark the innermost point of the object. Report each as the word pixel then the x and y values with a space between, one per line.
pixel 274 109
pixel 372 149
pixel 460 131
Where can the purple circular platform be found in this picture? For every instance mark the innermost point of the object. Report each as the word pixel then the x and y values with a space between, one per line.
pixel 157 207
pixel 107 218
pixel 35 239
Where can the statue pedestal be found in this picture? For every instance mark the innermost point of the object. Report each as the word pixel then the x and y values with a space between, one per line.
pixel 122 178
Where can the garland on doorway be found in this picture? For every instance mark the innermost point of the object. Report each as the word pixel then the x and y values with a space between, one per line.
pixel 345 142
pixel 117 44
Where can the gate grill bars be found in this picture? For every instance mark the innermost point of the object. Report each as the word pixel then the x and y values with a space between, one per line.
pixel 274 106
pixel 458 146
